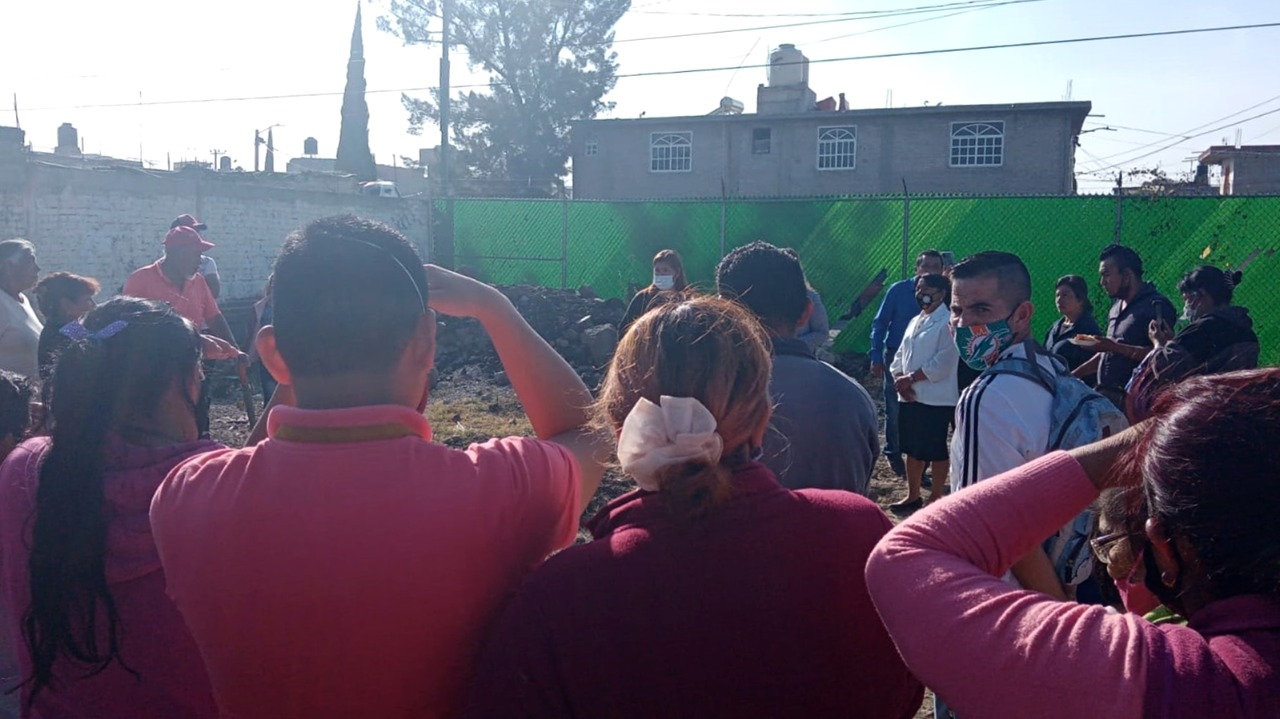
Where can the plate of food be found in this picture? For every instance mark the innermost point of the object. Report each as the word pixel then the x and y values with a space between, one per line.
pixel 1085 341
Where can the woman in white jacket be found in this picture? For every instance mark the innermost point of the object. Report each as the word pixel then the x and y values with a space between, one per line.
pixel 924 374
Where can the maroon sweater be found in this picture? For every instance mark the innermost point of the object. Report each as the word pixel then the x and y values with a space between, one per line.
pixel 759 610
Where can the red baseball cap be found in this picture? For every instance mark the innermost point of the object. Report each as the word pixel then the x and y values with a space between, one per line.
pixel 188 221
pixel 182 236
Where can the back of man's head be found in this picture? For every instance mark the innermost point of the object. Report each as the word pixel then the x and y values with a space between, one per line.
pixel 1013 281
pixel 930 262
pixel 348 295
pixel 1122 258
pixel 767 280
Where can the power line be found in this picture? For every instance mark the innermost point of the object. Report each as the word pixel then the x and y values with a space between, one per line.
pixel 887 13
pixel 1139 129
pixel 973 48
pixel 1179 142
pixel 914 22
pixel 691 71
pixel 976 4
pixel 1187 134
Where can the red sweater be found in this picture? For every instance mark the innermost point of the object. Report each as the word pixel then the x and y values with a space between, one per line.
pixel 759 610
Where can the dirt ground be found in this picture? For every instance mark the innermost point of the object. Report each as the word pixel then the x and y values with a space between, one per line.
pixel 466 408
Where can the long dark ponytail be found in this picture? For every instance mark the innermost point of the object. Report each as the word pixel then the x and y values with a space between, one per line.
pixel 100 381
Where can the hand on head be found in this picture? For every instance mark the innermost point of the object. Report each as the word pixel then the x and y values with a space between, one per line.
pixel 457 295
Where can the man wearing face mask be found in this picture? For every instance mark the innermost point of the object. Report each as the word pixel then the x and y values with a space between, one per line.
pixel 1137 304
pixel 1004 422
pixel 1001 422
pixel 668 280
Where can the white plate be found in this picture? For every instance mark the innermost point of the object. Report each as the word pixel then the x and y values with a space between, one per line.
pixel 1080 342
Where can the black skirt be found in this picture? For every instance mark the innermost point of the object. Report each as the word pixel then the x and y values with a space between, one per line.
pixel 922 431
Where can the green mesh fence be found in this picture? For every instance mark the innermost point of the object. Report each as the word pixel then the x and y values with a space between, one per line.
pixel 848 244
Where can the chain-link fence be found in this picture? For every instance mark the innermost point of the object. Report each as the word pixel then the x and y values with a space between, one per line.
pixel 850 246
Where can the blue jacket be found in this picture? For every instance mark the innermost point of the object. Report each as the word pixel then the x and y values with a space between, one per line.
pixel 890 324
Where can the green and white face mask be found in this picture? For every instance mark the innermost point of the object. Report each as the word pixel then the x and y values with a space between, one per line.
pixel 981 345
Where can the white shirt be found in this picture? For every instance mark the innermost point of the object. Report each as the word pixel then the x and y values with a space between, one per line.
pixel 19 336
pixel 1001 423
pixel 929 347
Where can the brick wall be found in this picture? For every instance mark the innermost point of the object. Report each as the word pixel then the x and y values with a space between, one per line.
pixel 105 223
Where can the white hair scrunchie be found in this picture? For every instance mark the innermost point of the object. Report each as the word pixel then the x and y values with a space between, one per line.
pixel 655 436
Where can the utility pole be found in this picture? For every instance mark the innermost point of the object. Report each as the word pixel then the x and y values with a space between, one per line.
pixel 443 252
pixel 445 7
pixel 257 142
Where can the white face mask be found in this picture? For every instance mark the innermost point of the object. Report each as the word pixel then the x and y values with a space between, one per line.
pixel 664 282
pixel 1189 313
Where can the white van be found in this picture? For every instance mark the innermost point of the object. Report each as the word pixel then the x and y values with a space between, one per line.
pixel 380 188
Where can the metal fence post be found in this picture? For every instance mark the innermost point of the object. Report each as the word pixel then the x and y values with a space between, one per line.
pixel 430 249
pixel 723 217
pixel 1118 233
pixel 564 243
pixel 906 227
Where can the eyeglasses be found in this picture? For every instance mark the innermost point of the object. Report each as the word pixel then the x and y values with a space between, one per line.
pixel 1105 545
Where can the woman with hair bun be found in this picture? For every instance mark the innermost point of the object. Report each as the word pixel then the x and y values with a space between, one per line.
pixel 711 590
pixel 1219 339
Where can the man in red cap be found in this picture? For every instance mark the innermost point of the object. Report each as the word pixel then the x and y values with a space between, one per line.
pixel 208 267
pixel 175 280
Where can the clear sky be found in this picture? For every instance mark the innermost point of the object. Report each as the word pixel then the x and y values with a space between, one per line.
pixel 187 61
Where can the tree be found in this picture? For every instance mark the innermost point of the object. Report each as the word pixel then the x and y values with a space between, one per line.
pixel 549 64
pixel 353 143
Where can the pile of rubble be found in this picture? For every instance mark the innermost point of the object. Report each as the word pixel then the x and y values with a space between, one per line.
pixel 580 326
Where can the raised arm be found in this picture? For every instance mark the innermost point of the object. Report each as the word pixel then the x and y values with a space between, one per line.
pixel 1010 652
pixel 555 399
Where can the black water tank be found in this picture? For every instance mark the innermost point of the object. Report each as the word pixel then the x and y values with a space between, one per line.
pixel 224 164
pixel 310 146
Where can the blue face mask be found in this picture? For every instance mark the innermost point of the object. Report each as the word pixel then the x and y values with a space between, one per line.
pixel 981 345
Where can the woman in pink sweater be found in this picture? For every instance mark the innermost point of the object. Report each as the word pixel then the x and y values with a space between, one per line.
pixel 98 637
pixel 1211 550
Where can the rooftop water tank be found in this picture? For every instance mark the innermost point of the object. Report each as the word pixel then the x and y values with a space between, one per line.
pixel 68 140
pixel 788 66
pixel 730 106
pixel 310 147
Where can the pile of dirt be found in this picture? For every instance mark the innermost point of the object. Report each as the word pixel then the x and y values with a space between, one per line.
pixel 579 325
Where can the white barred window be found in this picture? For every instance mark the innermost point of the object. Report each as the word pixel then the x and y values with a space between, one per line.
pixel 977 144
pixel 837 148
pixel 671 152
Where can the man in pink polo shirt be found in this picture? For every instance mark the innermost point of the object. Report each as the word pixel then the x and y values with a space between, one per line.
pixel 348 565
pixel 174 280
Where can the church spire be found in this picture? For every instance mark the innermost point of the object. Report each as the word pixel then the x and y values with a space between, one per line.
pixel 357 38
pixel 354 156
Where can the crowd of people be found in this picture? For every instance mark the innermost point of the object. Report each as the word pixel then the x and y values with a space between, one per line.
pixel 344 564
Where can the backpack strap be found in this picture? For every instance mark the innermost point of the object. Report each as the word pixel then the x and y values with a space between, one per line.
pixel 1027 368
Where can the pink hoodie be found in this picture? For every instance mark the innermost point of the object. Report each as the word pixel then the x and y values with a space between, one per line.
pixel 171 681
